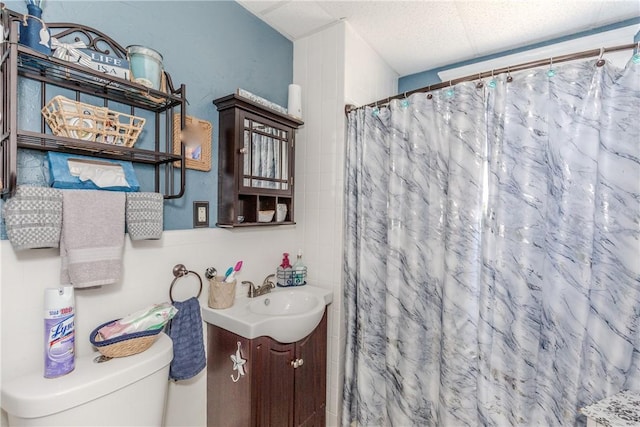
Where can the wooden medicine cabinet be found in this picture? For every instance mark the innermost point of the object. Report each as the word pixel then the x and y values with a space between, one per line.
pixel 256 152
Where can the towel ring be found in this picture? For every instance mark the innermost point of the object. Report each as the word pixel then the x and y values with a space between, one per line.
pixel 179 270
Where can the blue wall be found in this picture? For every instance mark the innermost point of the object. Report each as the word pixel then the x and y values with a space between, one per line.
pixel 214 47
pixel 430 77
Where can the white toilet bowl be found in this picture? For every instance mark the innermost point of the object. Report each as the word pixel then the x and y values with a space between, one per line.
pixel 126 391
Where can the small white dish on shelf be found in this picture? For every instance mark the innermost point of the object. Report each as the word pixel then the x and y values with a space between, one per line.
pixel 265 216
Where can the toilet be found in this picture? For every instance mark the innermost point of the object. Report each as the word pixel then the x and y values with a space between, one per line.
pixel 124 391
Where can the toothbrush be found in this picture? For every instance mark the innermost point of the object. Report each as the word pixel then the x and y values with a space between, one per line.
pixel 231 276
pixel 229 271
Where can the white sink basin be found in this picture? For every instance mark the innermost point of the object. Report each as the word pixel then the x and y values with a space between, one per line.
pixel 285 314
pixel 286 303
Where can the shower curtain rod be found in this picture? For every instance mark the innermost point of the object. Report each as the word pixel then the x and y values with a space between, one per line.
pixel 526 65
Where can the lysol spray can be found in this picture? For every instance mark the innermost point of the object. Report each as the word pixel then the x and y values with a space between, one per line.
pixel 59 331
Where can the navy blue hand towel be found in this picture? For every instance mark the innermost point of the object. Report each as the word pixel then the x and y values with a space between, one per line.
pixel 185 330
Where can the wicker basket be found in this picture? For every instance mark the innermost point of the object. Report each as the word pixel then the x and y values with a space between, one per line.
pixel 125 345
pixel 87 122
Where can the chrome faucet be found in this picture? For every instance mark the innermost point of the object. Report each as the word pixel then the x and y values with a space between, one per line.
pixel 265 288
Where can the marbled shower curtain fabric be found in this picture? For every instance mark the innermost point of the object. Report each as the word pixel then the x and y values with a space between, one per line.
pixel 492 272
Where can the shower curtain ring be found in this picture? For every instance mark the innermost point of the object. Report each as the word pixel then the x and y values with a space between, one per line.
pixel 429 94
pixel 636 56
pixel 480 83
pixel 492 82
pixel 405 101
pixel 551 71
pixel 509 78
pixel 449 91
pixel 600 62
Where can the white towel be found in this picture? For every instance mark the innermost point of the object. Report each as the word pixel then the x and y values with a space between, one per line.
pixel 92 237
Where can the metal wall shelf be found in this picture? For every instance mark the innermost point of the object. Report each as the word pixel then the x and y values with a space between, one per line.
pixel 21 62
pixel 38 141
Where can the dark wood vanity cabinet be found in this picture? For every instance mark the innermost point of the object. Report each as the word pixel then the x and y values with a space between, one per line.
pixel 284 384
pixel 256 152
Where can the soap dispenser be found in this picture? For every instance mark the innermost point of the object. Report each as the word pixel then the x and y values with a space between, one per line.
pixel 299 271
pixel 284 272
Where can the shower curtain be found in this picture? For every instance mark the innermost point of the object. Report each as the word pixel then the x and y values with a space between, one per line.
pixel 492 272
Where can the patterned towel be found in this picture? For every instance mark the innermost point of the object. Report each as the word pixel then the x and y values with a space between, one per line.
pixel 33 217
pixel 144 215
pixel 185 330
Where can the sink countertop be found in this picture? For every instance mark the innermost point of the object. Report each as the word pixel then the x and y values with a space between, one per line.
pixel 241 321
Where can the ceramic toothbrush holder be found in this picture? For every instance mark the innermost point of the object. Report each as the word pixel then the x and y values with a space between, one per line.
pixel 221 293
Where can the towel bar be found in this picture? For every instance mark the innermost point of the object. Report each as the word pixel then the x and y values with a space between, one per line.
pixel 179 270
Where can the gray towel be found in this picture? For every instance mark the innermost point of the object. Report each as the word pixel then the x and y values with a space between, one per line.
pixel 92 237
pixel 185 330
pixel 33 217
pixel 144 215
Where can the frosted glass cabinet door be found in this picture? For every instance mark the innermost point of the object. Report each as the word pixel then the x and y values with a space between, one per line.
pixel 265 156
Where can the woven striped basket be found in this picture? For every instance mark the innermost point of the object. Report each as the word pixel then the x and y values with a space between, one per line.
pixel 125 345
pixel 87 122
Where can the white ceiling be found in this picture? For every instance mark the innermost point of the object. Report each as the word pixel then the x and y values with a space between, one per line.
pixel 414 36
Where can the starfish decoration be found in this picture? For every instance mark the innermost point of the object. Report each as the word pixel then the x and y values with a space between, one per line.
pixel 238 364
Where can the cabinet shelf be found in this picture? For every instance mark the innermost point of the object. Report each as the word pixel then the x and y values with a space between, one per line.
pixel 21 62
pixel 255 224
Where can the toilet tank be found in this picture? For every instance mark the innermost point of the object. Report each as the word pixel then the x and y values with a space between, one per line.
pixel 124 391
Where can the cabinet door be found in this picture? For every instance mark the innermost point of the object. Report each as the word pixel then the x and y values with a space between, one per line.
pixel 229 401
pixel 266 150
pixel 311 378
pixel 274 384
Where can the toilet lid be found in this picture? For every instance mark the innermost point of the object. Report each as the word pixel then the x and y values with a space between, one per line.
pixel 33 396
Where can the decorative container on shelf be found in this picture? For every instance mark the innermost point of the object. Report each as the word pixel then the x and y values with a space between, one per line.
pixel 33 30
pixel 146 66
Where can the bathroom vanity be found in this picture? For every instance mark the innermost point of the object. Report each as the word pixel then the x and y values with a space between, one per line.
pixel 267 359
pixel 283 384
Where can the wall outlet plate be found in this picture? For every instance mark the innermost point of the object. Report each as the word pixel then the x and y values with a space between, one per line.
pixel 200 214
